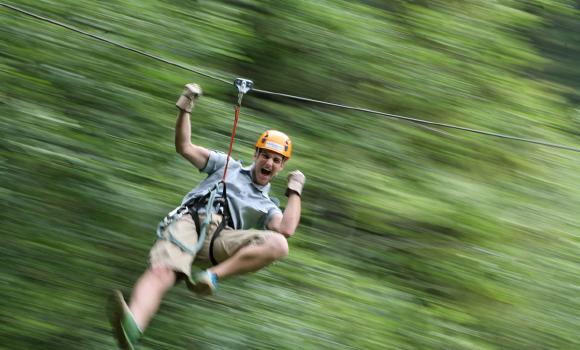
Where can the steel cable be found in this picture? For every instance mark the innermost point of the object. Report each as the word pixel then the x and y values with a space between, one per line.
pixel 418 121
pixel 294 97
pixel 123 46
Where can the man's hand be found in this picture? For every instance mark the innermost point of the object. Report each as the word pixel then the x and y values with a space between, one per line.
pixel 296 182
pixel 188 97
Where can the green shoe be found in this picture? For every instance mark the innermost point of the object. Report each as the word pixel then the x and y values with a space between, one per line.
pixel 125 328
pixel 203 283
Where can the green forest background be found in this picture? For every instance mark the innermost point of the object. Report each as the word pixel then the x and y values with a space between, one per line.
pixel 411 237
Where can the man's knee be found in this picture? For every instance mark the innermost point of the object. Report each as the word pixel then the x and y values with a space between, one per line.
pixel 164 275
pixel 277 246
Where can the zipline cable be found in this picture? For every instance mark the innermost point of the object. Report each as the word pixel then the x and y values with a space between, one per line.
pixel 418 121
pixel 123 46
pixel 294 97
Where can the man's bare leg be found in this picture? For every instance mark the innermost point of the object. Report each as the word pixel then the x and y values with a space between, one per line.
pixel 148 292
pixel 252 257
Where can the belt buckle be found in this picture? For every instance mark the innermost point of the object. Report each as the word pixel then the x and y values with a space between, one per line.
pixel 181 211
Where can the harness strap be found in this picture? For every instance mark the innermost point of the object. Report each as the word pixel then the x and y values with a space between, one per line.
pixel 221 226
pixel 195 217
pixel 177 213
pixel 207 219
pixel 216 234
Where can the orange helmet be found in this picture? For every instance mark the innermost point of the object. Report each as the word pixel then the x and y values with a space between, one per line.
pixel 275 141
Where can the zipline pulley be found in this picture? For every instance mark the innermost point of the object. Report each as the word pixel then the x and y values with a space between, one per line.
pixel 244 86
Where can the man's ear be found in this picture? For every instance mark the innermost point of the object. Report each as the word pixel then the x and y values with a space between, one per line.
pixel 257 153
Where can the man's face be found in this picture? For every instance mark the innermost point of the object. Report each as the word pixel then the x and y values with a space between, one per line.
pixel 268 164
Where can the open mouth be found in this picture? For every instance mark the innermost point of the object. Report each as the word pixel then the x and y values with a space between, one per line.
pixel 265 172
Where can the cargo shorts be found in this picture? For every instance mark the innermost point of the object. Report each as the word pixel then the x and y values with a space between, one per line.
pixel 166 253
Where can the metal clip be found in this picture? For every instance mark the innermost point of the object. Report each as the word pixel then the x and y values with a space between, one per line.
pixel 243 85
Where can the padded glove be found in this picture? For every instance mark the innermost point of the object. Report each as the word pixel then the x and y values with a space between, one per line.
pixel 188 97
pixel 296 182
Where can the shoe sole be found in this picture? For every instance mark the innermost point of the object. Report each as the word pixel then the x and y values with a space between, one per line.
pixel 116 309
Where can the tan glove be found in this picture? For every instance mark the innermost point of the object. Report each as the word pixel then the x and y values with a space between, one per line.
pixel 296 182
pixel 188 97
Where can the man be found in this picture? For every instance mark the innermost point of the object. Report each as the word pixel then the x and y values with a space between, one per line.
pixel 254 236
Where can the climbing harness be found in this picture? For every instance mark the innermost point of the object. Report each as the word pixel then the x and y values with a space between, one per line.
pixel 215 204
pixel 189 208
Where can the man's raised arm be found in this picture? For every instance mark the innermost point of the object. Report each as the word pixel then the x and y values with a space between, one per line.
pixel 287 223
pixel 197 155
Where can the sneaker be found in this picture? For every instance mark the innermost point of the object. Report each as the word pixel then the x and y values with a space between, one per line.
pixel 125 328
pixel 203 283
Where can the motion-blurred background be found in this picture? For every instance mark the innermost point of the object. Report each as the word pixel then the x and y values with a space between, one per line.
pixel 411 237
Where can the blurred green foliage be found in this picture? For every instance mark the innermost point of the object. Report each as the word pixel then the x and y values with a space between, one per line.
pixel 411 238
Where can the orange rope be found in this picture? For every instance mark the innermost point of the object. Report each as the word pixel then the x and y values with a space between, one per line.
pixel 231 142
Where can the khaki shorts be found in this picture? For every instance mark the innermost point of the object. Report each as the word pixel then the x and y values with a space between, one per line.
pixel 165 253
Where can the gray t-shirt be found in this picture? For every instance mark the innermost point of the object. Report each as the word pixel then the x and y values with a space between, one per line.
pixel 250 206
